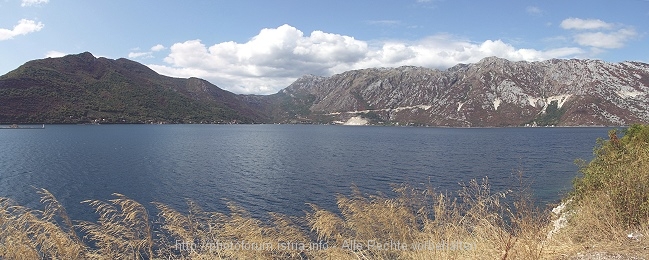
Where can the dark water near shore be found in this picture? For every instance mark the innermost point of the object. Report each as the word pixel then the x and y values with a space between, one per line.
pixel 277 168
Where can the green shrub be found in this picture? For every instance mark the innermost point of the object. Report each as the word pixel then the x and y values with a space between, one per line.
pixel 620 171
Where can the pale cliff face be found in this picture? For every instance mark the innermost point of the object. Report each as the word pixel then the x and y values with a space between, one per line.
pixel 492 92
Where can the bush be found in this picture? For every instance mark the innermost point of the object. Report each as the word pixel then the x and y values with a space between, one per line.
pixel 620 172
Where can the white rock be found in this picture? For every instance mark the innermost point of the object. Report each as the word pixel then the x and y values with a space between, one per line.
pixel 357 120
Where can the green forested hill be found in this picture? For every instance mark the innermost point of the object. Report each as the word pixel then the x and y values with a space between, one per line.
pixel 84 89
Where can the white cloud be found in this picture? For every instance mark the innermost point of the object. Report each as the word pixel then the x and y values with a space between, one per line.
pixel 277 56
pixel 278 51
pixel 584 24
pixel 25 3
pixel 23 27
pixel 384 22
pixel 599 35
pixel 534 10
pixel 140 55
pixel 54 54
pixel 158 47
pixel 607 40
pixel 146 54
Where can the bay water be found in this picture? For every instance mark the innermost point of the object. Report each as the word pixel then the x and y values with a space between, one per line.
pixel 278 168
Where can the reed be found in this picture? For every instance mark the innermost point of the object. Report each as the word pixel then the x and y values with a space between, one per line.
pixel 32 234
pixel 414 224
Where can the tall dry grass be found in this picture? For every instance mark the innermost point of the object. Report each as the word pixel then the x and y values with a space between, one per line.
pixel 607 212
pixel 424 224
pixel 416 223
pixel 32 234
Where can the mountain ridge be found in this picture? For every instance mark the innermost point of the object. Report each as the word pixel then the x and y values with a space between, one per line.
pixel 492 92
pixel 84 89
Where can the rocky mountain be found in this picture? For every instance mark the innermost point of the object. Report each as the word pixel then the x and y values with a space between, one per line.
pixel 492 92
pixel 84 89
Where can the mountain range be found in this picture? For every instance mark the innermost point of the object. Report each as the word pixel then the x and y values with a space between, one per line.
pixel 492 92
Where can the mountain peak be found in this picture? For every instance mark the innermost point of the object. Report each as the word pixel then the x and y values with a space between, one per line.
pixel 309 77
pixel 492 60
pixel 84 56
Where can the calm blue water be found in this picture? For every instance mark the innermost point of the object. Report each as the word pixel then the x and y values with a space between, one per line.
pixel 277 168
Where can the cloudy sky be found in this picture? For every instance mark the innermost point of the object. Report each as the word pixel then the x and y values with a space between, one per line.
pixel 260 47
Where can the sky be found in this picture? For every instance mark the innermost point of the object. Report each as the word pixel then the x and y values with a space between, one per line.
pixel 262 46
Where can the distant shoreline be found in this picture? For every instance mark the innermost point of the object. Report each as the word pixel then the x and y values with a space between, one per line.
pixel 27 126
pixel 41 126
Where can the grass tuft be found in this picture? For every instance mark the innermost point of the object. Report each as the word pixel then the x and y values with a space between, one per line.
pixel 123 230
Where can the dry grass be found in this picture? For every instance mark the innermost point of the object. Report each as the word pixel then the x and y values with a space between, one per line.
pixel 417 223
pixel 423 224
pixel 609 203
pixel 123 230
pixel 33 234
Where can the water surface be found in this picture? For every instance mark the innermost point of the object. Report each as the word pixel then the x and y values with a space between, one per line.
pixel 278 168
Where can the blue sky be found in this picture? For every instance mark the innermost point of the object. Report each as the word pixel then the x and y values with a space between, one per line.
pixel 260 47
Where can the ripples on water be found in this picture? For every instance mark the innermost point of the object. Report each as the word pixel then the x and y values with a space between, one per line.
pixel 277 167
